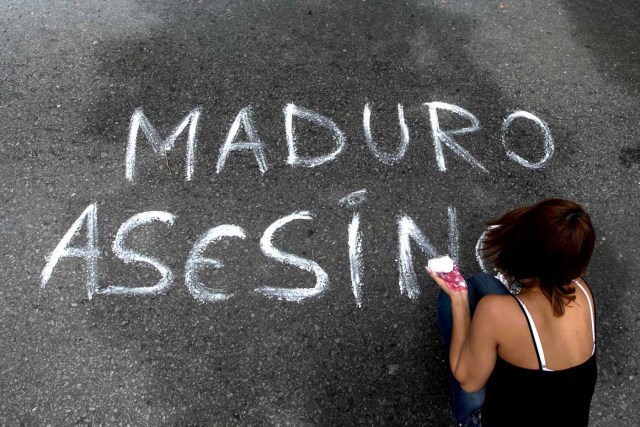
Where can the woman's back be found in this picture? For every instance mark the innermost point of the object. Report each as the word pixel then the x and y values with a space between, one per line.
pixel 566 340
pixel 534 352
pixel 552 382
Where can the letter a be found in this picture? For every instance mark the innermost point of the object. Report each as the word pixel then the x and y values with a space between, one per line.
pixel 254 144
pixel 90 252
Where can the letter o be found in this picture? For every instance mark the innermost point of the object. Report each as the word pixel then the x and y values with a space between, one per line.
pixel 546 133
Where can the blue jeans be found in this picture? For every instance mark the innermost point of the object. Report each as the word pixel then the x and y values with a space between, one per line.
pixel 465 406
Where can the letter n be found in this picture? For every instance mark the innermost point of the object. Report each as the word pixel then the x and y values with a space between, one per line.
pixel 408 231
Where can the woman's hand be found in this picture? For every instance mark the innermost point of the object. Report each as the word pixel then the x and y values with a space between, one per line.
pixel 451 283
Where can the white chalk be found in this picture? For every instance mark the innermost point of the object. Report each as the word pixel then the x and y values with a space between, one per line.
pixel 408 231
pixel 355 242
pixel 355 258
pixel 294 159
pixel 139 120
pixel 292 294
pixel 130 256
pixel 197 261
pixel 454 238
pixel 254 144
pixel 386 158
pixel 481 263
pixel 442 264
pixel 89 253
pixel 546 134
pixel 444 138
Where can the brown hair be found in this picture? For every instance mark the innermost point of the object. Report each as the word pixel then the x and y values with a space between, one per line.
pixel 551 240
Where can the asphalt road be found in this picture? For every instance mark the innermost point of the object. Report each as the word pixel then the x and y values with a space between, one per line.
pixel 297 78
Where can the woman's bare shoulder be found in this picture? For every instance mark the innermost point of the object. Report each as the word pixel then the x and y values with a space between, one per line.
pixel 501 309
pixel 587 291
pixel 583 283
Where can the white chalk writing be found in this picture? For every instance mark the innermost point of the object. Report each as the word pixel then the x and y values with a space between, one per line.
pixel 408 231
pixel 355 258
pixel 294 159
pixel 196 261
pixel 129 256
pixel 254 144
pixel 444 138
pixel 546 133
pixel 293 114
pixel 387 158
pixel 139 120
pixel 295 294
pixel 90 252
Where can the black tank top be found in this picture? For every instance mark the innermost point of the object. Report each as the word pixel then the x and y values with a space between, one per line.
pixel 518 396
pixel 529 397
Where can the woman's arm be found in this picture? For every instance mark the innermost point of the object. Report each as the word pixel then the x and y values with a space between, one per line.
pixel 461 325
pixel 473 349
pixel 477 346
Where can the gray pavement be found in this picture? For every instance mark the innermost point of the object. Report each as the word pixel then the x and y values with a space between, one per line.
pixel 352 338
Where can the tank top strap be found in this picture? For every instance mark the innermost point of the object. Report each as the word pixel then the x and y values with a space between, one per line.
pixel 593 320
pixel 542 363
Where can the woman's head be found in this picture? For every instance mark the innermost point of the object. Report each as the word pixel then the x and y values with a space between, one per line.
pixel 551 241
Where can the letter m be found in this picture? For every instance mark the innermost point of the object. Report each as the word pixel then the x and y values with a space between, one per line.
pixel 160 146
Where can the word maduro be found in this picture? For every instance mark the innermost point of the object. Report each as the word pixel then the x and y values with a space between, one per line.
pixel 244 123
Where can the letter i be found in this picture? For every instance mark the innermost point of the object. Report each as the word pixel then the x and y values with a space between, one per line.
pixel 355 243
pixel 355 258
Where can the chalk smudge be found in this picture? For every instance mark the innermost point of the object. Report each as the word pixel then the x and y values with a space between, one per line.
pixel 353 199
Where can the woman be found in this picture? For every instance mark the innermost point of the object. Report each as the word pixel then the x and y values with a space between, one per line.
pixel 524 355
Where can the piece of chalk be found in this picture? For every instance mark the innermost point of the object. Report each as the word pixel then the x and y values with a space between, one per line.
pixel 442 264
pixel 447 270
